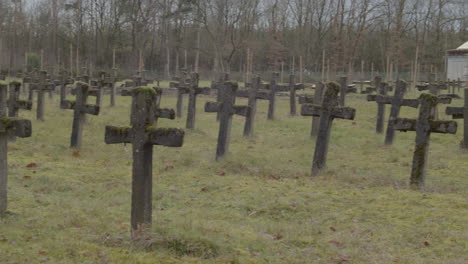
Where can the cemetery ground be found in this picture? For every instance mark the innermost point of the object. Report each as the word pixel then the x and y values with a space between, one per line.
pixel 257 205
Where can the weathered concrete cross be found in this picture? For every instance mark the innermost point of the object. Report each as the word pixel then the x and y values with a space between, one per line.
pixel 143 134
pixel 328 111
pixel 226 110
pixel 17 127
pixel 253 93
pixel 81 108
pixel 63 81
pixel 424 126
pixel 291 88
pixel 461 113
pixel 41 85
pixel 396 103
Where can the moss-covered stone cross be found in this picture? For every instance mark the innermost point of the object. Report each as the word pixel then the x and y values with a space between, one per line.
pixel 81 108
pixel 328 111
pixel 424 126
pixel 143 135
pixel 226 110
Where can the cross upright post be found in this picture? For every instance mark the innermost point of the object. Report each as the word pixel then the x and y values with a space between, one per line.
pixel 328 111
pixel 17 127
pixel 461 113
pixel 226 110
pixel 81 108
pixel 143 134
pixel 424 126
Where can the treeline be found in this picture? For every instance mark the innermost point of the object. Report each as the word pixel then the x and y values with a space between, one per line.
pixel 231 35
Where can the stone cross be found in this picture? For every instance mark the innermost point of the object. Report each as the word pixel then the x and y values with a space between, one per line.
pixel 193 91
pixel 143 134
pixel 434 89
pixel 81 108
pixel 226 110
pixel 396 101
pixel 424 126
pixel 328 111
pixel 181 90
pixel 41 85
pixel 218 87
pixel 253 94
pixel 461 113
pixel 381 92
pixel 64 80
pixel 8 126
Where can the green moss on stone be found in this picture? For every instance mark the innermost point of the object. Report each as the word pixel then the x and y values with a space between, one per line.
pixel 433 100
pixel 333 89
pixel 146 90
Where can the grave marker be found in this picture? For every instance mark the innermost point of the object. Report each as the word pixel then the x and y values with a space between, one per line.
pixel 381 92
pixel 226 110
pixel 424 126
pixel 143 134
pixel 252 94
pixel 41 85
pixel 461 113
pixel 327 111
pixel 81 108
pixel 8 126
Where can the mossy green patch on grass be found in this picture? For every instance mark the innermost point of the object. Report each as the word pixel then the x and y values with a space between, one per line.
pixel 257 205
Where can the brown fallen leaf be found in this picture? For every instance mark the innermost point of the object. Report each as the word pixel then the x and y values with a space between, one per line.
pixel 76 154
pixel 427 244
pixel 332 229
pixel 31 165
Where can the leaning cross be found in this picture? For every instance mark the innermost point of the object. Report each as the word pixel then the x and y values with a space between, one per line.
pixel 252 94
pixel 226 110
pixel 381 92
pixel 81 108
pixel 193 91
pixel 143 135
pixel 461 113
pixel 328 111
pixel 17 127
pixel 424 126
pixel 396 103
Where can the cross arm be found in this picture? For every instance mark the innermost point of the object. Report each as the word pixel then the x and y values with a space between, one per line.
pixel 67 104
pixel 311 110
pixel 203 90
pixel 414 103
pixel 168 137
pixel 306 99
pixel 443 99
pixel 165 113
pixel 404 124
pixel 90 109
pixel 455 112
pixel 212 107
pixel 241 110
pixel 443 127
pixel 380 99
pixel 25 105
pixel 22 127
pixel 115 135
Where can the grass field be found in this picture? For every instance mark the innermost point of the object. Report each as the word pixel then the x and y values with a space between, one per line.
pixel 258 205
